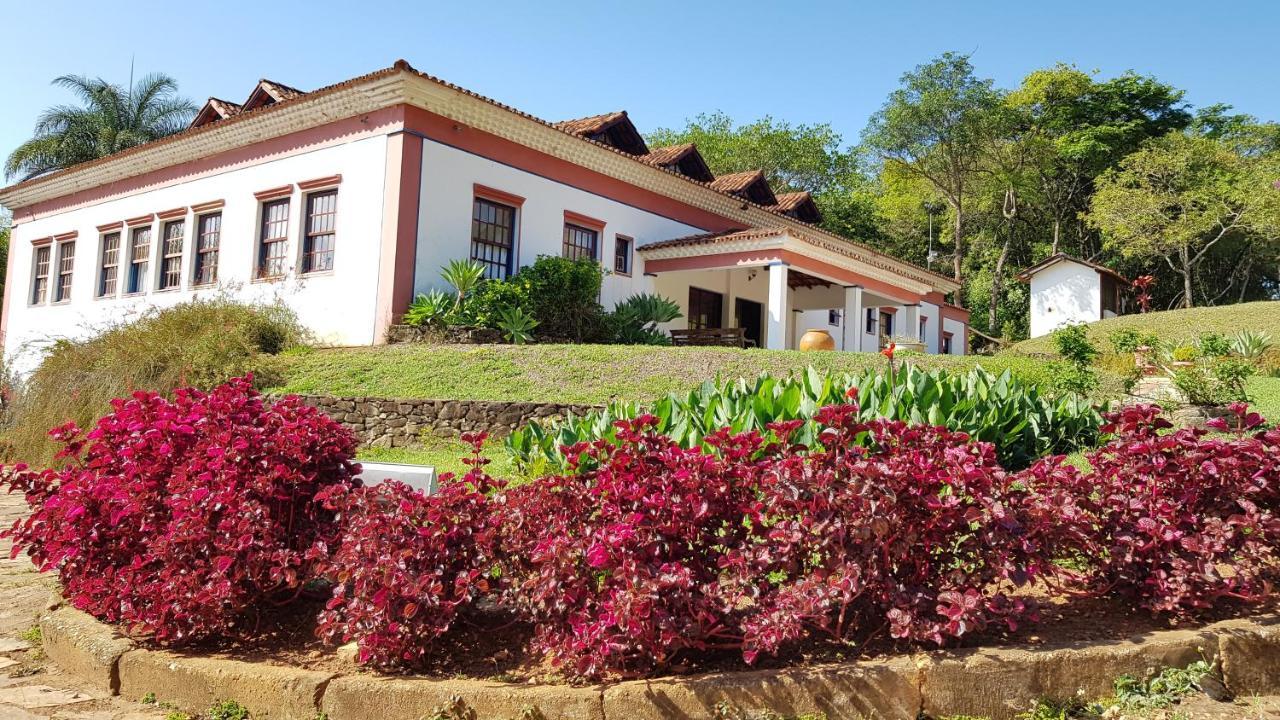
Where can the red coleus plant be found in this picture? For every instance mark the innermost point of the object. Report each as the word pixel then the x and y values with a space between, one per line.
pixel 1142 287
pixel 408 564
pixel 916 528
pixel 1176 520
pixel 620 567
pixel 185 518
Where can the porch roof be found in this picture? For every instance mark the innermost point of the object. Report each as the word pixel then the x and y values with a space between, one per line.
pixel 834 262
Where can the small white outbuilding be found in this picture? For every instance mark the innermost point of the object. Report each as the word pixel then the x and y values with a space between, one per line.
pixel 1067 290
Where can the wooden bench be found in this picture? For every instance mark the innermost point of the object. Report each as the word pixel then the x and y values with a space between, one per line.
pixel 718 337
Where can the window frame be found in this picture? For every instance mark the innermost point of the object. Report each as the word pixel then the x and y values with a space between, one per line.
pixel 163 256
pixel 141 284
pixel 198 253
pixel 477 200
pixel 629 255
pixel 871 323
pixel 306 255
pixel 946 343
pixel 579 230
pixel 704 295
pixel 36 277
pixel 282 240
pixel 57 288
pixel 834 317
pixel 99 291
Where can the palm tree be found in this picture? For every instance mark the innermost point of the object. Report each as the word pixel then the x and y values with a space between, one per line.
pixel 110 119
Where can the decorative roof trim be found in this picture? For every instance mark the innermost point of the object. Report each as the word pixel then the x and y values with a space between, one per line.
pixel 140 220
pixel 172 214
pixel 63 237
pixel 108 227
pixel 41 242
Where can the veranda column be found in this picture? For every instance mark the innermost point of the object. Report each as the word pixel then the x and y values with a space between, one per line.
pixel 910 327
pixel 851 328
pixel 779 313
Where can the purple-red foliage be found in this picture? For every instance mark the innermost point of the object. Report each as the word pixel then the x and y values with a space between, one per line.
pixel 1178 520
pixel 408 564
pixel 186 518
pixel 917 528
pixel 620 567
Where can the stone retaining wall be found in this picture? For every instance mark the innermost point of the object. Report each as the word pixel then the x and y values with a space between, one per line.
pixel 385 422
pixel 994 683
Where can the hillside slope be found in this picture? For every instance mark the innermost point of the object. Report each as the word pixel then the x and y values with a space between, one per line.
pixel 1174 325
pixel 593 374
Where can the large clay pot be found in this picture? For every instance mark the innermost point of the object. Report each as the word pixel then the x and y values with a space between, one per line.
pixel 817 340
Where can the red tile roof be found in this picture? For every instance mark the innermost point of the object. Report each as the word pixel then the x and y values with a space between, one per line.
pixel 215 109
pixel 591 125
pixel 793 200
pixel 737 182
pixel 1025 275
pixel 714 238
pixel 668 155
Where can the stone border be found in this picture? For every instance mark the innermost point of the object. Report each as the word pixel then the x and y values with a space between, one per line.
pixel 384 422
pixel 983 682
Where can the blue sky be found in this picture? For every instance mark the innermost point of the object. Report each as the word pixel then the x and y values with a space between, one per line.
pixel 663 61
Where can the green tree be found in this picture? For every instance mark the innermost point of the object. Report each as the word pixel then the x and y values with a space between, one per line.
pixel 1078 127
pixel 793 157
pixel 937 126
pixel 1180 196
pixel 108 119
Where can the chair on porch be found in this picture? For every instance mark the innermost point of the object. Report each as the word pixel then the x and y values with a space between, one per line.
pixel 716 337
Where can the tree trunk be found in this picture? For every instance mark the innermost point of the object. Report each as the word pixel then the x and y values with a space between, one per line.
pixel 1057 229
pixel 997 285
pixel 1185 256
pixel 958 258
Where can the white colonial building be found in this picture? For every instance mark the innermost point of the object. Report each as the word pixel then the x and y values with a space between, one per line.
pixel 1067 290
pixel 344 202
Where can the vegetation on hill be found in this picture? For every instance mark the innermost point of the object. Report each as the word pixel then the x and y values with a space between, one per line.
pixel 1174 326
pixel 199 344
pixel 586 374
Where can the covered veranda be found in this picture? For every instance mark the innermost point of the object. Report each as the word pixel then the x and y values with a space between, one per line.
pixel 776 284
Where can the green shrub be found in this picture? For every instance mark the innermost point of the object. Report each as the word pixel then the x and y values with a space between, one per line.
pixel 1212 344
pixel 516 325
pixel 1022 423
pixel 200 343
pixel 564 297
pixel 1128 340
pixel 494 297
pixel 429 310
pixel 1072 343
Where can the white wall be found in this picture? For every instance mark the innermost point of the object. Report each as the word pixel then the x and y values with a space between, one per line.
pixel 959 337
pixel 933 329
pixel 444 226
pixel 338 306
pixel 1062 294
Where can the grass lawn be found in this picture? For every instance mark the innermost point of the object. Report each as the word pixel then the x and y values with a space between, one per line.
pixel 445 455
pixel 1264 392
pixel 589 374
pixel 1175 325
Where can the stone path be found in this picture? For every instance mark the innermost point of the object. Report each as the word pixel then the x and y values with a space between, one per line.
pixel 32 688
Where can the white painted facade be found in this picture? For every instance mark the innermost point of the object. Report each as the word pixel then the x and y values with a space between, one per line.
pixel 1062 294
pixel 337 306
pixel 408 156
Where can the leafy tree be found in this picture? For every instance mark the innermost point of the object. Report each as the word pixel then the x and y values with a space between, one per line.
pixel 793 157
pixel 1183 194
pixel 108 119
pixel 4 252
pixel 937 126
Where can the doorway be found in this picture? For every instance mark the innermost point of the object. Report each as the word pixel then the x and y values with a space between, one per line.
pixel 749 315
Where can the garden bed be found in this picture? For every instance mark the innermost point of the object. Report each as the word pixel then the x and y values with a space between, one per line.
pixel 992 681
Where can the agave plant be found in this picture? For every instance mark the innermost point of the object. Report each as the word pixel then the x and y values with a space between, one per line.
pixel 429 310
pixel 516 324
pixel 465 276
pixel 1000 409
pixel 1251 344
pixel 636 319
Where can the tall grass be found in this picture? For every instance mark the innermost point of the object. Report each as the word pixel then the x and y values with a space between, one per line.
pixel 200 343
